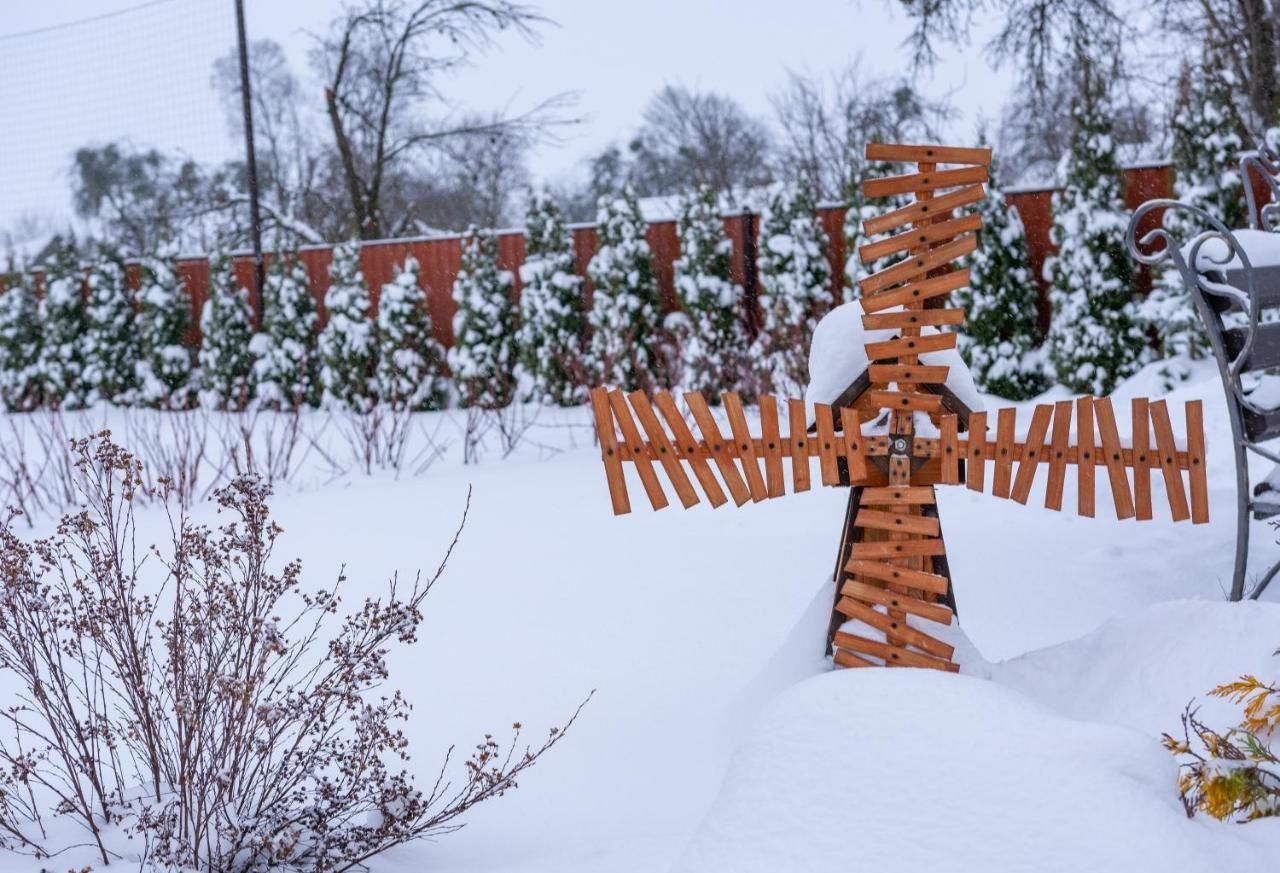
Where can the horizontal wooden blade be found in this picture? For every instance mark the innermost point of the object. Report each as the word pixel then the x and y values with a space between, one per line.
pixel 927 154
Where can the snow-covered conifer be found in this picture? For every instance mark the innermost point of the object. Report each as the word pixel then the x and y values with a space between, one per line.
pixel 1095 339
pixel 483 357
pixel 795 280
pixel 409 358
pixel 111 337
pixel 709 327
pixel 552 313
pixel 624 311
pixel 284 371
pixel 166 371
pixel 63 325
pixel 226 325
pixel 859 209
pixel 346 346
pixel 20 345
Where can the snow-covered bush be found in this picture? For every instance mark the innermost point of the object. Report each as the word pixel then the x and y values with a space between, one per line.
pixel 1095 339
pixel 409 358
pixel 63 323
pixel 552 311
pixel 166 372
pixel 232 725
pixel 111 336
pixel 483 357
pixel 795 281
pixel 624 311
pixel 346 346
pixel 226 327
pixel 20 345
pixel 1000 339
pixel 709 328
pixel 285 365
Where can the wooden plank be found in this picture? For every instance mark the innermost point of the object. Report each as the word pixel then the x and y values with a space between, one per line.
pixel 920 211
pixel 916 374
pixel 892 655
pixel 1006 420
pixel 937 612
pixel 916 267
pixel 666 451
pixel 1084 456
pixel 910 345
pixel 932 180
pixel 1032 452
pixel 919 236
pixel 898 494
pixel 796 424
pixel 897 627
pixel 976 470
pixel 688 445
pixel 745 445
pixel 720 453
pixel 827 448
pixel 639 451
pixel 1141 459
pixel 917 292
pixel 843 658
pixel 907 400
pixel 613 474
pixel 771 446
pixel 904 576
pixel 1113 457
pixel 899 549
pixel 914 154
pixel 950 449
pixel 1168 460
pixel 1196 461
pixel 854 450
pixel 897 522
pixel 1058 454
pixel 914 317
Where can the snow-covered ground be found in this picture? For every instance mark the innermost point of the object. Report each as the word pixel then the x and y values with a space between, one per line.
pixel 718 738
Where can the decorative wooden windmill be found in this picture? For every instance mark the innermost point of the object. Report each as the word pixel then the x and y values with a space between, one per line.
pixel 892 579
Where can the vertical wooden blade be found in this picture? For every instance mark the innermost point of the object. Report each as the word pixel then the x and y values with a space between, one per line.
pixel 976 472
pixel 826 444
pixel 1032 452
pixel 799 445
pixel 1084 455
pixel 609 451
pixel 1058 454
pixel 666 451
pixel 746 447
pixel 1196 461
pixel 1006 420
pixel 1113 457
pixel 717 444
pixel 1141 459
pixel 639 451
pixel 688 445
pixel 950 451
pixel 853 447
pixel 1169 460
pixel 771 446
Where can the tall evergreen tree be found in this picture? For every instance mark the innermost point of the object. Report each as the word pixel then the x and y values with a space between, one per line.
pixel 166 371
pixel 552 313
pixel 111 337
pixel 709 328
pixel 409 358
pixel 285 372
pixel 20 346
pixel 62 318
pixel 795 280
pixel 483 357
pixel 347 346
pixel 1000 339
pixel 226 325
pixel 1095 340
pixel 624 311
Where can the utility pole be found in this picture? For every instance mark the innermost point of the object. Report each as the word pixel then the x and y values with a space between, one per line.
pixel 251 161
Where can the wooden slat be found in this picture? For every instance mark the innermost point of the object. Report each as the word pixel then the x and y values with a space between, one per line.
pixel 976 470
pixel 898 522
pixel 903 576
pixel 916 267
pixel 896 627
pixel 892 654
pixel 892 495
pixel 1197 474
pixel 854 450
pixel 720 453
pixel 886 151
pixel 688 445
pixel 639 451
pixel 932 180
pixel 919 236
pixel 798 436
pixel 843 658
pixel 1058 454
pixel 609 451
pixel 917 292
pixel 910 345
pixel 1084 456
pixel 1113 457
pixel 907 400
pixel 667 455
pixel 950 448
pixel 914 317
pixel 1168 460
pixel 1032 452
pixel 882 597
pixel 771 446
pixel 899 549
pixel 916 374
pixel 1141 459
pixel 1006 420
pixel 827 448
pixel 744 444
pixel 920 211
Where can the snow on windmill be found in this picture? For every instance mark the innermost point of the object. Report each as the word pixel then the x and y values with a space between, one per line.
pixel 891 412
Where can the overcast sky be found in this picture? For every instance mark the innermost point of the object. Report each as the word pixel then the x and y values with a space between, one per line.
pixel 144 74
